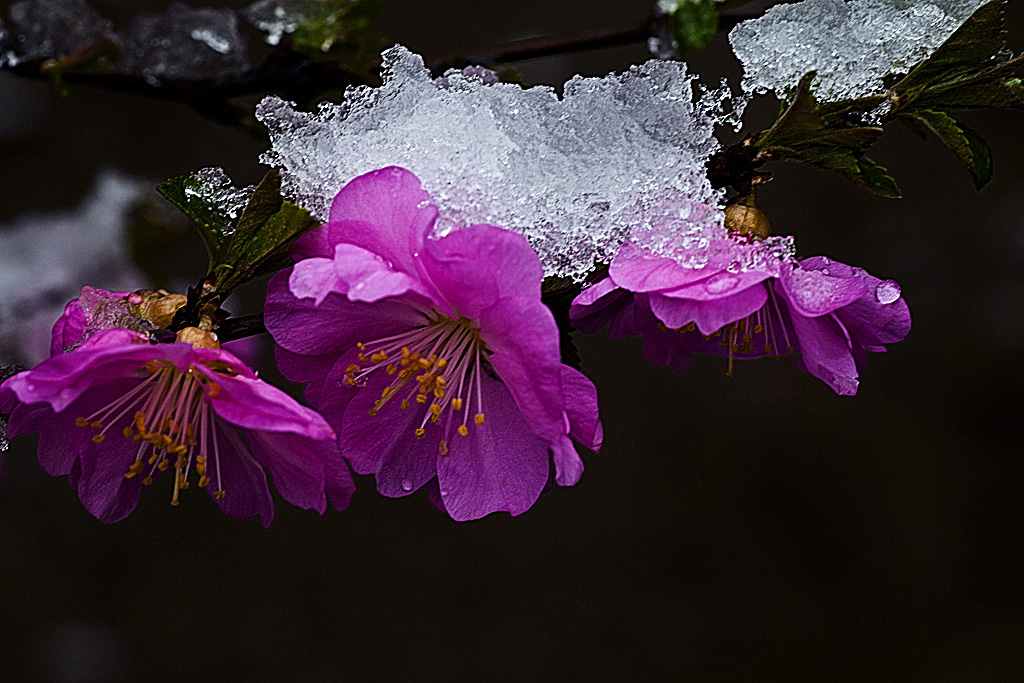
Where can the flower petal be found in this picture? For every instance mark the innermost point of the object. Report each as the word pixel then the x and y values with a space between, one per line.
pixel 302 327
pixel 709 316
pixel 312 244
pixel 102 488
pixel 604 304
pixel 314 278
pixel 365 276
pixel 639 271
pixel 254 404
pixel 812 293
pixel 296 464
pixel 385 444
pixel 240 477
pixel 61 380
pixel 524 338
pixel 718 284
pixel 68 329
pixel 499 466
pixel 568 465
pixel 580 397
pixel 474 267
pixel 386 212
pixel 825 352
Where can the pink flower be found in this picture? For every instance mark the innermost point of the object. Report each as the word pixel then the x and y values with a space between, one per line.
pixel 433 359
pixel 117 412
pixel 747 303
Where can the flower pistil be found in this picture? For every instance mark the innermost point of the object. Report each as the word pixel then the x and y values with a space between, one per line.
pixel 170 417
pixel 438 365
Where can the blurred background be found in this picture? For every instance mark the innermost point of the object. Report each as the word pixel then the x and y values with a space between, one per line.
pixel 754 527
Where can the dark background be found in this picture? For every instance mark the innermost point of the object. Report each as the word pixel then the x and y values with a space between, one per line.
pixel 758 527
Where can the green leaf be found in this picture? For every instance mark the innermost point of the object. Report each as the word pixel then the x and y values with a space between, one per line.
pixel 969 147
pixel 802 124
pixel 211 221
pixel 972 45
pixel 693 24
pixel 874 178
pixel 264 203
pixel 972 69
pixel 266 231
pixel 803 134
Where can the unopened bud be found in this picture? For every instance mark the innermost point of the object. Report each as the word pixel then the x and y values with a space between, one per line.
pixel 200 339
pixel 157 307
pixel 742 218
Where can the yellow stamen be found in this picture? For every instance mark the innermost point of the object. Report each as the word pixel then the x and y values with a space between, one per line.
pixel 219 495
pixel 420 432
pixel 456 404
pixel 443 447
pixel 81 422
pixel 478 418
pixel 99 438
pixel 463 430
pixel 404 405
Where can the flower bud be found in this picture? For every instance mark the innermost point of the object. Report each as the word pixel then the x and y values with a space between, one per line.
pixel 156 307
pixel 743 218
pixel 200 339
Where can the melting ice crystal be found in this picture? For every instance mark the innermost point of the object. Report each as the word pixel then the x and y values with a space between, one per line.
pixel 852 45
pixel 575 175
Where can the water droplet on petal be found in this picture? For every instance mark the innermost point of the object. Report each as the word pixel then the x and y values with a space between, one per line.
pixel 444 492
pixel 406 485
pixel 720 283
pixel 887 291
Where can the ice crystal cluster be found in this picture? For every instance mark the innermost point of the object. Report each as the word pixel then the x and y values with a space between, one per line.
pixel 54 28
pixel 213 185
pixel 181 42
pixel 184 42
pixel 574 174
pixel 276 18
pixel 852 45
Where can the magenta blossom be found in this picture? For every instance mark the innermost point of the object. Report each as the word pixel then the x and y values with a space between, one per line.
pixel 433 359
pixel 117 412
pixel 747 303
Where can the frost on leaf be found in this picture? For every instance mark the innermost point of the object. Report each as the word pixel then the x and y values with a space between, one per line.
pixel 574 175
pixel 852 45
pixel 213 185
pixel 184 42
